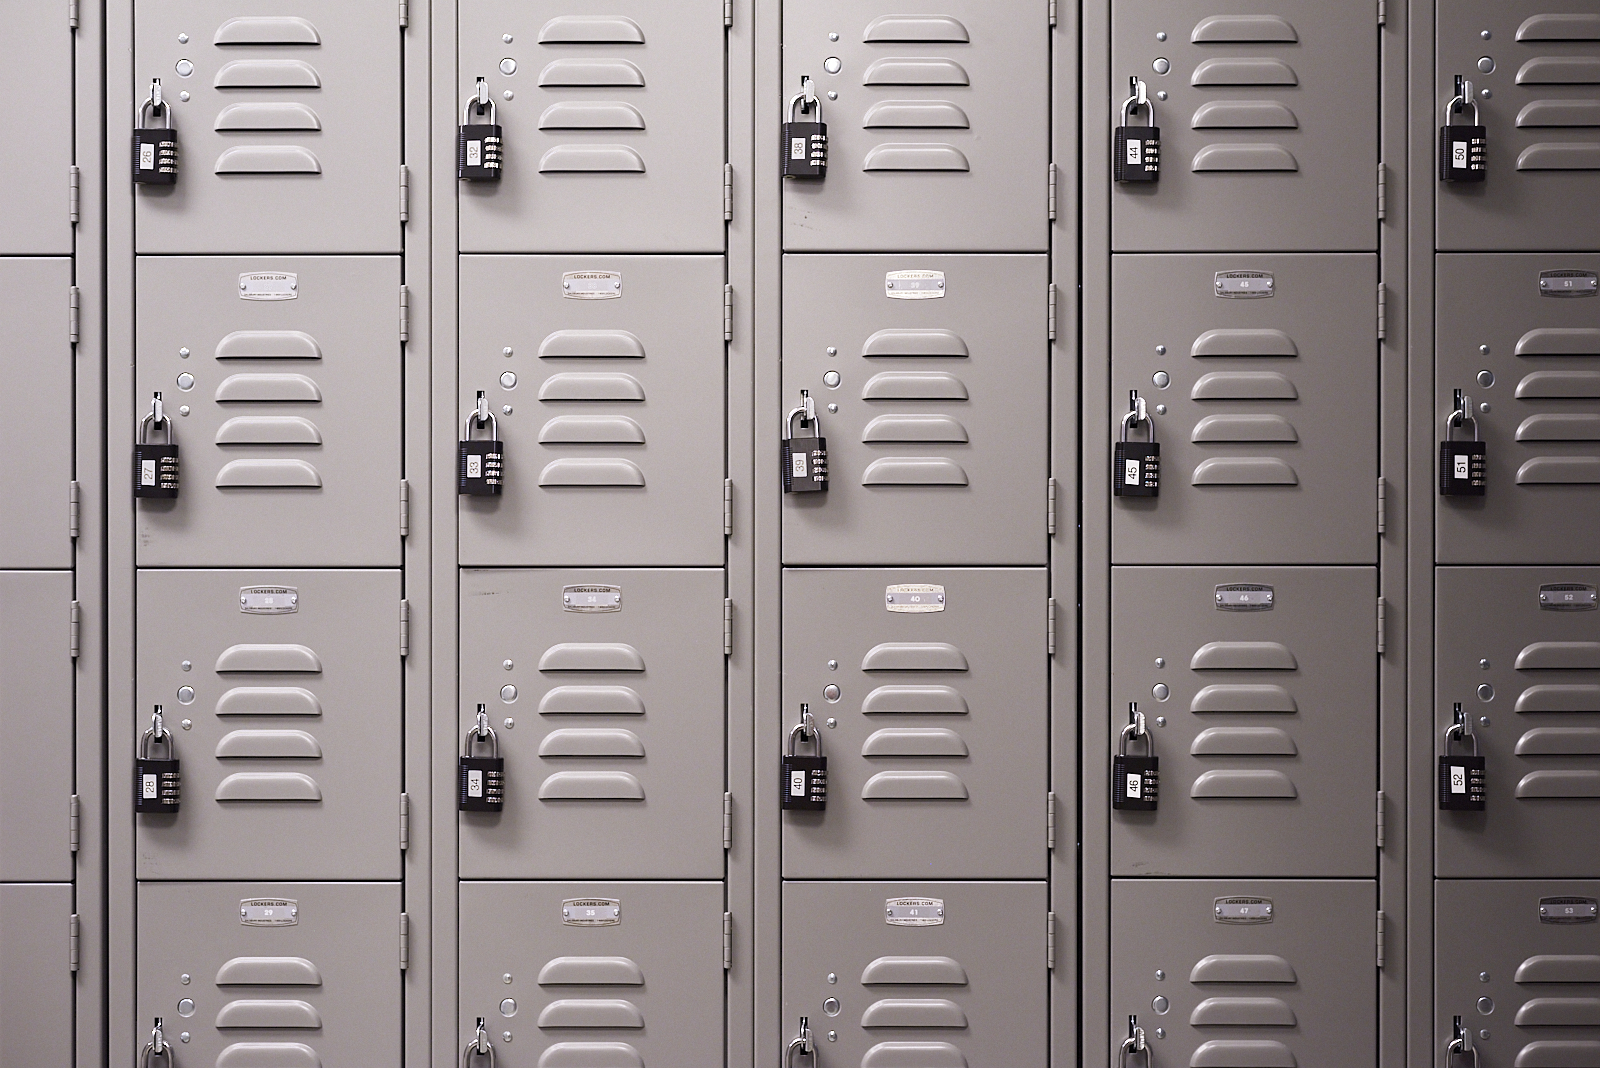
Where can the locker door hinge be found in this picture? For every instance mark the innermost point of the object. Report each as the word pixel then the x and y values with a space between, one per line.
pixel 1050 820
pixel 1383 613
pixel 405 628
pixel 727 312
pixel 727 820
pixel 72 823
pixel 1380 937
pixel 405 314
pixel 1050 627
pixel 74 297
pixel 1383 312
pixel 1052 312
pixel 405 941
pixel 72 941
pixel 74 496
pixel 727 508
pixel 405 508
pixel 73 176
pixel 76 618
pixel 1052 12
pixel 727 13
pixel 727 177
pixel 405 822
pixel 72 14
pixel 1383 12
pixel 405 193
pixel 1383 192
pixel 1050 941
pixel 1380 819
pixel 727 626
pixel 1052 197
pixel 1050 508
pixel 1383 505
pixel 727 941
pixel 405 14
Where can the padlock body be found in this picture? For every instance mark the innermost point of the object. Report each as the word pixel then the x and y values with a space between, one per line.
pixel 155 471
pixel 1137 154
pixel 480 468
pixel 156 786
pixel 1135 783
pixel 805 783
pixel 1136 469
pixel 1462 782
pixel 481 783
pixel 1463 468
pixel 155 157
pixel 805 464
pixel 478 152
pixel 805 150
pixel 1463 154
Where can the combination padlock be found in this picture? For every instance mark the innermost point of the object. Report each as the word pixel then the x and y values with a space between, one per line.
pixel 481 466
pixel 156 785
pixel 157 1053
pixel 1463 465
pixel 155 151
pixel 479 1051
pixel 478 144
pixel 155 467
pixel 1135 780
pixel 805 144
pixel 1136 465
pixel 1135 1050
pixel 805 778
pixel 1463 778
pixel 1463 150
pixel 1136 156
pixel 1461 1053
pixel 805 455
pixel 482 779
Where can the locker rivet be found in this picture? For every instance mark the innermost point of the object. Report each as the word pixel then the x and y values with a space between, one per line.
pixel 1483 721
pixel 184 95
pixel 1484 664
pixel 184 352
pixel 508 1007
pixel 833 977
pixel 1160 692
pixel 506 978
pixel 508 379
pixel 1485 378
pixel 505 1036
pixel 186 665
pixel 832 351
pixel 830 693
pixel 505 409
pixel 832 64
pixel 1161 721
pixel 832 95
pixel 183 38
pixel 1485 692
pixel 506 37
pixel 831 1006
pixel 1161 95
pixel 1161 350
pixel 1161 379
pixel 1484 34
pixel 183 1036
pixel 833 665
pixel 1160 975
pixel 185 68
pixel 832 722
pixel 1161 409
pixel 186 381
pixel 1484 1034
pixel 1161 1032
pixel 183 409
pixel 508 66
pixel 186 695
pixel 506 351
pixel 186 1006
pixel 187 724
pixel 508 94
pixel 508 693
pixel 509 723
pixel 1160 1004
pixel 833 37
pixel 1483 406
pixel 1485 1006
pixel 1161 65
pixel 1484 349
pixel 833 1036
pixel 833 408
pixel 1161 661
pixel 1485 93
pixel 1483 977
pixel 504 663
pixel 831 379
pixel 184 979
pixel 1485 64
pixel 1161 35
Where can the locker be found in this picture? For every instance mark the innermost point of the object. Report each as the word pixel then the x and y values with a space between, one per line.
pixel 290 138
pixel 937 453
pixel 1528 357
pixel 614 126
pixel 37 53
pixel 282 689
pixel 1269 435
pixel 939 138
pixel 1264 973
pixel 293 975
pixel 36 371
pixel 1528 993
pixel 569 975
pixel 885 984
pixel 1519 648
pixel 1269 138
pixel 605 688
pixel 36 983
pixel 937 763
pixel 606 376
pixel 1538 81
pixel 1269 747
pixel 282 380
pixel 36 713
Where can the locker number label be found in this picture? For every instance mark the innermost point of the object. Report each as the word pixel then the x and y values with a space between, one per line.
pixel 798 462
pixel 474 153
pixel 797 783
pixel 147 472
pixel 913 285
pixel 1135 152
pixel 147 156
pixel 269 912
pixel 1458 155
pixel 474 783
pixel 591 285
pixel 591 912
pixel 1135 787
pixel 913 911
pixel 148 787
pixel 1131 472
pixel 914 597
pixel 474 465
pixel 269 285
pixel 1461 469
pixel 797 148
pixel 1458 779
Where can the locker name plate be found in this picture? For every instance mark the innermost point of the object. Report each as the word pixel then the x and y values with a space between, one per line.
pixel 1569 283
pixel 591 912
pixel 1244 597
pixel 269 600
pixel 913 911
pixel 1244 284
pixel 591 598
pixel 591 285
pixel 269 912
pixel 1566 910
pixel 914 597
pixel 1568 597
pixel 913 285
pixel 268 285
pixel 1242 910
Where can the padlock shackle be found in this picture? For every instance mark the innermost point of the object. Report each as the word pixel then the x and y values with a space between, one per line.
pixel 1137 413
pixel 1137 99
pixel 156 417
pixel 1136 728
pixel 153 104
pixel 806 728
pixel 480 731
pixel 1463 98
pixel 1461 730
pixel 479 101
pixel 807 98
pixel 478 417
pixel 1461 414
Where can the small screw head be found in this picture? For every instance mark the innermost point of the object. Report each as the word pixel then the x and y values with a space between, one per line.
pixel 1484 664
pixel 832 722
pixel 1483 977
pixel 506 37
pixel 183 1036
pixel 1160 975
pixel 509 723
pixel 1161 409
pixel 1161 94
pixel 1484 349
pixel 508 665
pixel 833 1036
pixel 505 409
pixel 1161 721
pixel 1161 1032
pixel 832 95
pixel 1484 34
pixel 833 350
pixel 184 978
pixel 833 665
pixel 1161 350
pixel 1485 93
pixel 183 409
pixel 184 352
pixel 506 978
pixel 1483 721
pixel 1161 35
pixel 183 38
pixel 833 977
pixel 505 1036
pixel 1161 661
pixel 834 408
pixel 508 94
pixel 1484 1034
pixel 506 351
pixel 186 665
pixel 187 724
pixel 833 37
pixel 1483 406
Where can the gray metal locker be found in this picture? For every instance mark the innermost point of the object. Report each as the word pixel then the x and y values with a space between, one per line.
pixel 575 975
pixel 939 138
pixel 1520 335
pixel 286 975
pixel 36 982
pixel 1518 962
pixel 1538 81
pixel 1267 114
pixel 34 171
pixel 36 371
pixel 605 688
pixel 1519 648
pixel 614 126
pixel 932 975
pixel 282 378
pixel 928 688
pixel 939 368
pixel 1265 974
pixel 606 378
pixel 1259 687
pixel 36 714
pixel 1262 376
pixel 289 140
pixel 282 690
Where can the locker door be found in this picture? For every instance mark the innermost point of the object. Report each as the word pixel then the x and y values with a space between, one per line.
pixel 282 380
pixel 1541 107
pixel 1530 982
pixel 290 141
pixel 1269 437
pixel 937 454
pixel 1258 973
pixel 293 975
pixel 286 718
pixel 937 762
pixel 1511 335
pixel 36 988
pixel 36 359
pixel 37 53
pixel 939 138
pixel 1269 749
pixel 605 688
pixel 36 713
pixel 613 121
pixel 593 973
pixel 885 984
pixel 1519 648
pixel 605 375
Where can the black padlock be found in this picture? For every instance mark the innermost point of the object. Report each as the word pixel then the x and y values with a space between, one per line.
pixel 1136 465
pixel 155 152
pixel 1463 465
pixel 805 144
pixel 155 467
pixel 478 144
pixel 482 780
pixel 481 466
pixel 805 778
pixel 1463 778
pixel 1136 155
pixel 805 455
pixel 156 785
pixel 1463 150
pixel 1135 780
